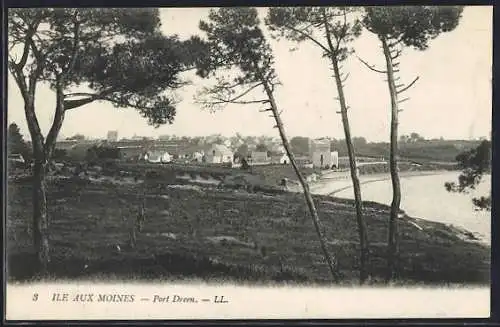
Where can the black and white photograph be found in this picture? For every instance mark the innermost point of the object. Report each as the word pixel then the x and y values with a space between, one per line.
pixel 313 162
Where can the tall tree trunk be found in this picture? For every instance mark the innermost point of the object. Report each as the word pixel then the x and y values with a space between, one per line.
pixel 40 217
pixel 332 263
pixel 393 246
pixel 362 230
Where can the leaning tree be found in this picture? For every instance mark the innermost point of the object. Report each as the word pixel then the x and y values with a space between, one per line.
pixel 242 61
pixel 87 55
pixel 331 30
pixel 398 28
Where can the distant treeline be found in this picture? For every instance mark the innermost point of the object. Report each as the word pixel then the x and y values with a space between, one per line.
pixel 426 150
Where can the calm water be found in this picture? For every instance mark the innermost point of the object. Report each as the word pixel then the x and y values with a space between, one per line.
pixel 425 197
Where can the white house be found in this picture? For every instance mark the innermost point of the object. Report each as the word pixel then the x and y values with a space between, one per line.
pixel 198 156
pixel 280 158
pixel 320 153
pixel 219 153
pixel 335 159
pixel 157 157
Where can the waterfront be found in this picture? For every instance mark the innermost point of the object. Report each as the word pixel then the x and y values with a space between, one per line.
pixel 423 196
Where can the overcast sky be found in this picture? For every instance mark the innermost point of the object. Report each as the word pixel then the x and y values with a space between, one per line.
pixel 452 99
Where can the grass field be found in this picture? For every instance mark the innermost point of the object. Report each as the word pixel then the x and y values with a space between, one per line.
pixel 215 234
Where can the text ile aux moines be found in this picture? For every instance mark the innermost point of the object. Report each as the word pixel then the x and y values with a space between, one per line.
pixel 128 298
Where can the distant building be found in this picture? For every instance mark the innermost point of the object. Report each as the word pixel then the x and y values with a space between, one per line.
pixel 112 136
pixel 157 157
pixel 280 158
pixel 335 159
pixel 131 152
pixel 197 156
pixel 321 154
pixel 304 161
pixel 259 157
pixel 219 153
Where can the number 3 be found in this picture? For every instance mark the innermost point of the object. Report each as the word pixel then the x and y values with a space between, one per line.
pixel 35 296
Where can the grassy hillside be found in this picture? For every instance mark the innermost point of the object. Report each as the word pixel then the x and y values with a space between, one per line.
pixel 215 234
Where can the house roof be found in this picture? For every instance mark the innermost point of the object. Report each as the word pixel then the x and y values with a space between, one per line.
pixel 157 153
pixel 130 147
pixel 278 155
pixel 221 149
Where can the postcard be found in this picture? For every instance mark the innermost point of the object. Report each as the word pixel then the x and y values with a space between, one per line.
pixel 244 163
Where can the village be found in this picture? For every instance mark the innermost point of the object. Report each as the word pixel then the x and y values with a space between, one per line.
pixel 226 153
pixel 216 157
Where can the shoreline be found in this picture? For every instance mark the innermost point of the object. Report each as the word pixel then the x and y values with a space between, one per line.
pixel 331 186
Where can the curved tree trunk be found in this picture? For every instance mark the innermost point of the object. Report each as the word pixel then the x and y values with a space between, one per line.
pixel 362 230
pixel 42 152
pixel 332 263
pixel 393 246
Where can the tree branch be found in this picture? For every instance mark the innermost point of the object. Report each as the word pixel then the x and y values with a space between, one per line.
pixel 371 66
pixel 345 78
pixel 72 104
pixel 76 41
pixel 29 34
pixel 79 94
pixel 244 93
pixel 220 101
pixel 40 64
pixel 396 42
pixel 234 99
pixel 24 57
pixel 20 79
pixel 396 55
pixel 309 37
pixel 29 109
pixel 57 123
pixel 409 85
pixel 344 30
